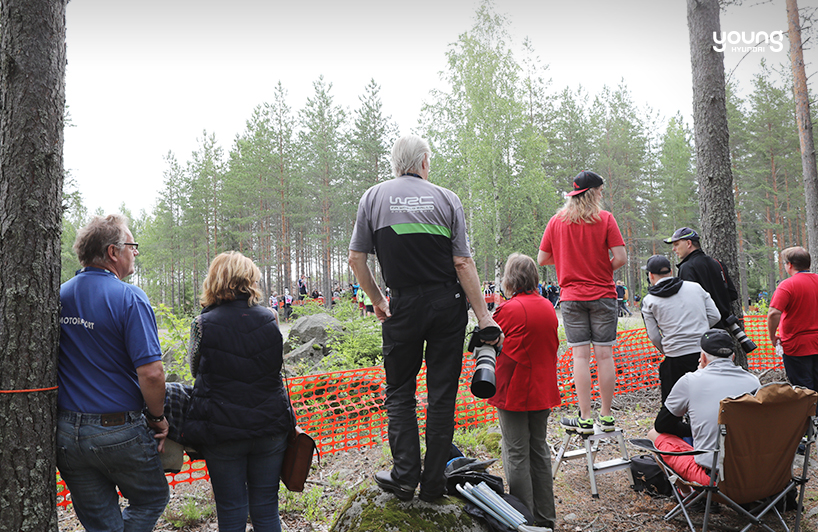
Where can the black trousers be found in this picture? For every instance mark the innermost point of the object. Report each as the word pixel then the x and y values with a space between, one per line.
pixel 671 370
pixel 434 316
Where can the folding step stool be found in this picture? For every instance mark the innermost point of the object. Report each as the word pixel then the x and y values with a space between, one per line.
pixel 589 449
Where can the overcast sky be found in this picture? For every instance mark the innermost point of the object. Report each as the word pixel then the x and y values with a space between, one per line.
pixel 148 77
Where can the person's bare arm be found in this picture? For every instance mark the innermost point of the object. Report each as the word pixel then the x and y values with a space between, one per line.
pixel 357 261
pixel 544 258
pixel 470 281
pixel 620 257
pixel 773 319
pixel 152 384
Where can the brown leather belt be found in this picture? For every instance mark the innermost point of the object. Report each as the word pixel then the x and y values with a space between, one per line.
pixel 113 420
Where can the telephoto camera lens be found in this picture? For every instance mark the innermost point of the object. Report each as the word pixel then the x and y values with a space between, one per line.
pixel 483 384
pixel 736 330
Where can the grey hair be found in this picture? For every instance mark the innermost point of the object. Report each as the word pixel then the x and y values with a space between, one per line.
pixel 91 245
pixel 520 274
pixel 711 358
pixel 408 153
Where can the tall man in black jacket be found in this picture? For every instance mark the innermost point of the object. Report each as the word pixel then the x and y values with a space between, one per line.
pixel 703 269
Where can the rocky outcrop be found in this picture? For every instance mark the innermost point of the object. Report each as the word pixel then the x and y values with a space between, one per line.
pixel 312 330
pixel 308 354
pixel 371 509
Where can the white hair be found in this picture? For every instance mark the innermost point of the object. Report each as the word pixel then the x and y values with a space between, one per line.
pixel 408 153
pixel 710 358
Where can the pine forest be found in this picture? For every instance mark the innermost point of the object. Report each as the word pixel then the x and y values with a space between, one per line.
pixel 285 192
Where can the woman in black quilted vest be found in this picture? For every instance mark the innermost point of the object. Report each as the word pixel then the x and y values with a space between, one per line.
pixel 239 414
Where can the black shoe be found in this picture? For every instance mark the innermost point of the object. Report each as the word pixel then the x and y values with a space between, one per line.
pixel 428 497
pixel 698 506
pixel 385 481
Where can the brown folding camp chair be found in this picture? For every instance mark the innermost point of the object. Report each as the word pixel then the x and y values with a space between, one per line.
pixel 759 435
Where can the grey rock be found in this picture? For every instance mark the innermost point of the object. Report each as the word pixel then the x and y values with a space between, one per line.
pixel 371 506
pixel 310 352
pixel 315 329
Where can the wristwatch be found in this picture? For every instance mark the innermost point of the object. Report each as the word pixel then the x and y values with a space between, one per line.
pixel 152 418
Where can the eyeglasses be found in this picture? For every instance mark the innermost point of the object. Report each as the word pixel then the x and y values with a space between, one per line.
pixel 134 244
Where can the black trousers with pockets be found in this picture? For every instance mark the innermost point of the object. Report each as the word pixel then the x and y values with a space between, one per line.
pixel 427 322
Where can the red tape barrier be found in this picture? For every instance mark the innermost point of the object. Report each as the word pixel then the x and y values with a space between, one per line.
pixel 344 410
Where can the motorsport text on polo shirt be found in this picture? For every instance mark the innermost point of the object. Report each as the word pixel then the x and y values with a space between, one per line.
pixel 415 227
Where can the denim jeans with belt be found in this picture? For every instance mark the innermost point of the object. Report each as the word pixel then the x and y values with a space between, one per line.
pixel 244 475
pixel 94 460
pixel 435 316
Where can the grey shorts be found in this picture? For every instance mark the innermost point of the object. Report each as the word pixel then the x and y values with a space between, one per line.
pixel 589 322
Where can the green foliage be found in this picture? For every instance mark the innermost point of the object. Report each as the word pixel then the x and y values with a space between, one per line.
pixel 311 504
pixel 309 307
pixel 474 441
pixel 487 148
pixel 761 308
pixel 359 345
pixel 195 511
pixel 174 337
pixel 508 144
pixel 74 217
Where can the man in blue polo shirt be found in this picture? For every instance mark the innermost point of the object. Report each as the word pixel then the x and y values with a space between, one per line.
pixel 110 424
pixel 419 233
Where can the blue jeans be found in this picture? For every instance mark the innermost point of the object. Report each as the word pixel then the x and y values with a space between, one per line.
pixel 244 475
pixel 95 460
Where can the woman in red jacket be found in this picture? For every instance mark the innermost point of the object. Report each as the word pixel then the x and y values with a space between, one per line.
pixel 527 387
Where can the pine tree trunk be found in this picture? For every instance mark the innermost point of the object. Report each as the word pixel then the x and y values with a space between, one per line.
pixel 32 103
pixel 804 127
pixel 716 201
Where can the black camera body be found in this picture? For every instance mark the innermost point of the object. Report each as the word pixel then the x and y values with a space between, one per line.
pixel 483 383
pixel 735 329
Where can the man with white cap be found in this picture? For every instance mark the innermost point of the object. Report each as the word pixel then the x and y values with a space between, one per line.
pixel 698 394
pixel 676 314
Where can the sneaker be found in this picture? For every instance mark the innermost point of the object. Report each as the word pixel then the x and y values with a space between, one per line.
pixel 578 425
pixel 385 481
pixel 606 423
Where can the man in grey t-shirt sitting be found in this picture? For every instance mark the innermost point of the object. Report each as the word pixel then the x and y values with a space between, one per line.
pixel 698 394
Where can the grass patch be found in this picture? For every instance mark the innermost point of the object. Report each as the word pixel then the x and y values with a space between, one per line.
pixel 194 511
pixel 311 504
pixel 478 440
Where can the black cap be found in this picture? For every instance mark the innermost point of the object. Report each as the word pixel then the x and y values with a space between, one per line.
pixel 718 343
pixel 585 180
pixel 657 264
pixel 685 233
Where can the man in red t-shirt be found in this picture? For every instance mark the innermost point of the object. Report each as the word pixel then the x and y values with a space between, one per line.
pixel 792 313
pixel 577 241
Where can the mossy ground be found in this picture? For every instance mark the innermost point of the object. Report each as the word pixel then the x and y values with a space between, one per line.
pixel 370 510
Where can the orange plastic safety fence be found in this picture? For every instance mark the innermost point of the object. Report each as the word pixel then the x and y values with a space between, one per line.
pixel 345 410
pixel 764 357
